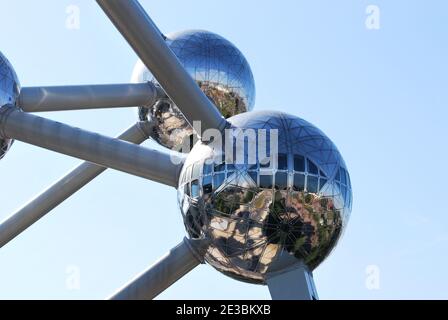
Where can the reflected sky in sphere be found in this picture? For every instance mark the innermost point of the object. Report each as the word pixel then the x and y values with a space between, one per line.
pixel 256 214
pixel 219 68
pixel 9 92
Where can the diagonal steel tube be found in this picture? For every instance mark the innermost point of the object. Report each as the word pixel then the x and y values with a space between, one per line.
pixel 141 33
pixel 62 189
pixel 293 284
pixel 290 283
pixel 174 265
pixel 62 98
pixel 104 151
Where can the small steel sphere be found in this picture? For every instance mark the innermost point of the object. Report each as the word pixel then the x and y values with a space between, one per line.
pixel 261 218
pixel 220 70
pixel 9 92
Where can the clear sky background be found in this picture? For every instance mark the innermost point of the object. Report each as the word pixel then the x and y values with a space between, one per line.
pixel 380 95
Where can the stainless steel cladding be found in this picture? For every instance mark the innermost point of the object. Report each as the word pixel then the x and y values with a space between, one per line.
pixel 220 70
pixel 257 214
pixel 9 92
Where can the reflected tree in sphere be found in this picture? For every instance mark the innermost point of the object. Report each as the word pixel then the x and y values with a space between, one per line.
pixel 265 217
pixel 220 70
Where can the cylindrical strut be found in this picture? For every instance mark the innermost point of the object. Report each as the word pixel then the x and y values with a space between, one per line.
pixel 165 272
pixel 140 32
pixel 62 189
pixel 61 98
pixel 104 151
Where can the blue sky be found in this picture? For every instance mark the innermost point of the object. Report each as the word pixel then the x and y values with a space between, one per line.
pixel 379 94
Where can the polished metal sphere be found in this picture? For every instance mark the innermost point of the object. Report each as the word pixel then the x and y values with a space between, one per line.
pixel 261 218
pixel 220 70
pixel 9 92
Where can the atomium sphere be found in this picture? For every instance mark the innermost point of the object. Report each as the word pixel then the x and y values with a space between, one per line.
pixel 9 92
pixel 263 218
pixel 220 70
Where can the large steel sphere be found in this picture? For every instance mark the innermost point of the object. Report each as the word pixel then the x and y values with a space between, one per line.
pixel 9 92
pixel 220 70
pixel 261 219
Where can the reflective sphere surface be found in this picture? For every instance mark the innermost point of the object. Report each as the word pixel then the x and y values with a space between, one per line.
pixel 220 70
pixel 9 92
pixel 260 218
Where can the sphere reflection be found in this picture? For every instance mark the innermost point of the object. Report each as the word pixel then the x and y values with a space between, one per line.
pixel 9 92
pixel 255 215
pixel 221 71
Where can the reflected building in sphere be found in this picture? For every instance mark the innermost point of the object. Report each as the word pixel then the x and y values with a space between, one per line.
pixel 259 218
pixel 9 92
pixel 220 70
